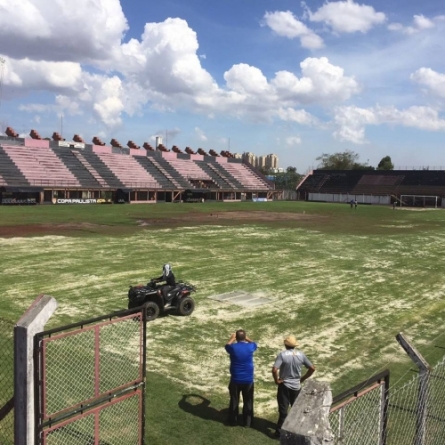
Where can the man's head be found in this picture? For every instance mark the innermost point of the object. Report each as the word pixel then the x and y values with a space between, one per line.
pixel 240 335
pixel 166 269
pixel 290 342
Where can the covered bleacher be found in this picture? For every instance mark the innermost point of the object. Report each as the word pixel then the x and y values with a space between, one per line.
pixel 375 186
pixel 75 171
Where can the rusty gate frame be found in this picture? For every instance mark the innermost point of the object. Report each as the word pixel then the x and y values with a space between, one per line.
pixel 91 406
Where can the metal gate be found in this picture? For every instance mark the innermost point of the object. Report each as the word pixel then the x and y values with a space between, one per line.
pixel 90 381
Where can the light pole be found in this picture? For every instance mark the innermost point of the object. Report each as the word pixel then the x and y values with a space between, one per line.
pixel 2 65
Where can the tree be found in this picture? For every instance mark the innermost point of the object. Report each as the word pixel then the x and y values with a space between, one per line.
pixel 347 160
pixel 287 180
pixel 385 164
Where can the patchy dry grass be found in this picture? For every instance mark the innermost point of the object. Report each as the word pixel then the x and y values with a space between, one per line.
pixel 345 284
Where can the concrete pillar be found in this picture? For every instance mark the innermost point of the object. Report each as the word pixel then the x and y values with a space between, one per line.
pixel 32 322
pixel 308 420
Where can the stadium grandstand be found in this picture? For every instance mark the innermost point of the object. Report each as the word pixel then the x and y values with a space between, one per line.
pixel 411 188
pixel 38 170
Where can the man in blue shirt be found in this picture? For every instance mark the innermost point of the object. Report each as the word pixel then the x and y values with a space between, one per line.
pixel 241 371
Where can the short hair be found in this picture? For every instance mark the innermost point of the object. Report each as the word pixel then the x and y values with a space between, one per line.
pixel 240 335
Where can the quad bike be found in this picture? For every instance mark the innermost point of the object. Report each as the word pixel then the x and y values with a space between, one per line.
pixel 178 299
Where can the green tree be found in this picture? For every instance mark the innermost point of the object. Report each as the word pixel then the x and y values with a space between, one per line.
pixel 287 180
pixel 346 160
pixel 385 164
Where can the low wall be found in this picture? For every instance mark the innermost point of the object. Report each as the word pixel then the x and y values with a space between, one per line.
pixel 346 197
pixel 308 420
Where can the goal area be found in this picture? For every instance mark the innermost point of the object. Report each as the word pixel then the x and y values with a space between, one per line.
pixel 420 201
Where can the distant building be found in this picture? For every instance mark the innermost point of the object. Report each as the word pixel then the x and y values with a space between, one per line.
pixel 237 155
pixel 260 162
pixel 267 162
pixel 249 157
pixel 271 161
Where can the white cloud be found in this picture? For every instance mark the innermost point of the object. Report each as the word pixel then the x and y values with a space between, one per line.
pixel 347 16
pixel 81 30
pixel 291 141
pixel 420 23
pixel 352 120
pixel 108 103
pixel 161 70
pixel 320 82
pixel 435 82
pixel 165 61
pixel 243 78
pixel 285 24
pixel 299 116
pixel 28 74
pixel 200 134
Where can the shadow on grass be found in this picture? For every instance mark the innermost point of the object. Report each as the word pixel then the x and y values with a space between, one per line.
pixel 190 404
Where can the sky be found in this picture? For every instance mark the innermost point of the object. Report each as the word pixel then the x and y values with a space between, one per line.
pixel 294 78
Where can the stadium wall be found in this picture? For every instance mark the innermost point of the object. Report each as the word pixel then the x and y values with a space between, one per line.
pixel 342 197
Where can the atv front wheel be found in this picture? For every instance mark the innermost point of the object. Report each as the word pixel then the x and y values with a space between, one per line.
pixel 152 310
pixel 186 306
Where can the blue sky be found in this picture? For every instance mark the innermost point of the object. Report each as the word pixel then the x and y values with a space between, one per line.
pixel 293 78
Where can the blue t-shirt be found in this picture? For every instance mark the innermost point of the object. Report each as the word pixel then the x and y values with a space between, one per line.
pixel 241 361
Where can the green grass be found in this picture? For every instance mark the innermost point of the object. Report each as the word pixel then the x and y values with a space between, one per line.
pixel 344 281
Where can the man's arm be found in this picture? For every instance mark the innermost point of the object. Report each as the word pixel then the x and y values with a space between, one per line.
pixel 275 375
pixel 309 372
pixel 248 340
pixel 231 339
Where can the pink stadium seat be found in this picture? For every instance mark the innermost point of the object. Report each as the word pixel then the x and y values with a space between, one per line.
pixel 128 170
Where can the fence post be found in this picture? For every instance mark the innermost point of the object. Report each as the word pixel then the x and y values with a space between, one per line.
pixel 384 405
pixel 424 373
pixel 31 322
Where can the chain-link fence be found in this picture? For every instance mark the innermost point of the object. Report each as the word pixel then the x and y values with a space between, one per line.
pixel 376 414
pixel 91 381
pixel 358 416
pixel 417 410
pixel 6 382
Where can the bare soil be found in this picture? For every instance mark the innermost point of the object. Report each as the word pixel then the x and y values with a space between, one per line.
pixel 175 221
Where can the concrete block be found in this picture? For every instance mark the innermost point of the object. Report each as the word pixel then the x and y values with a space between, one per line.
pixel 308 420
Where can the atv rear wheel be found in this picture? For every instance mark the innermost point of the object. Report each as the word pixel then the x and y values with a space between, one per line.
pixel 186 306
pixel 152 310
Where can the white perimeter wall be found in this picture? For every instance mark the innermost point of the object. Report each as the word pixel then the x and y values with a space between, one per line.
pixel 342 197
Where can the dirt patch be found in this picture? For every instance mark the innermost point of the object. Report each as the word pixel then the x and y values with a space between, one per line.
pixel 56 229
pixel 255 216
pixel 173 221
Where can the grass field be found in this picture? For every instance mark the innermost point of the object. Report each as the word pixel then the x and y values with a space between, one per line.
pixel 344 281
